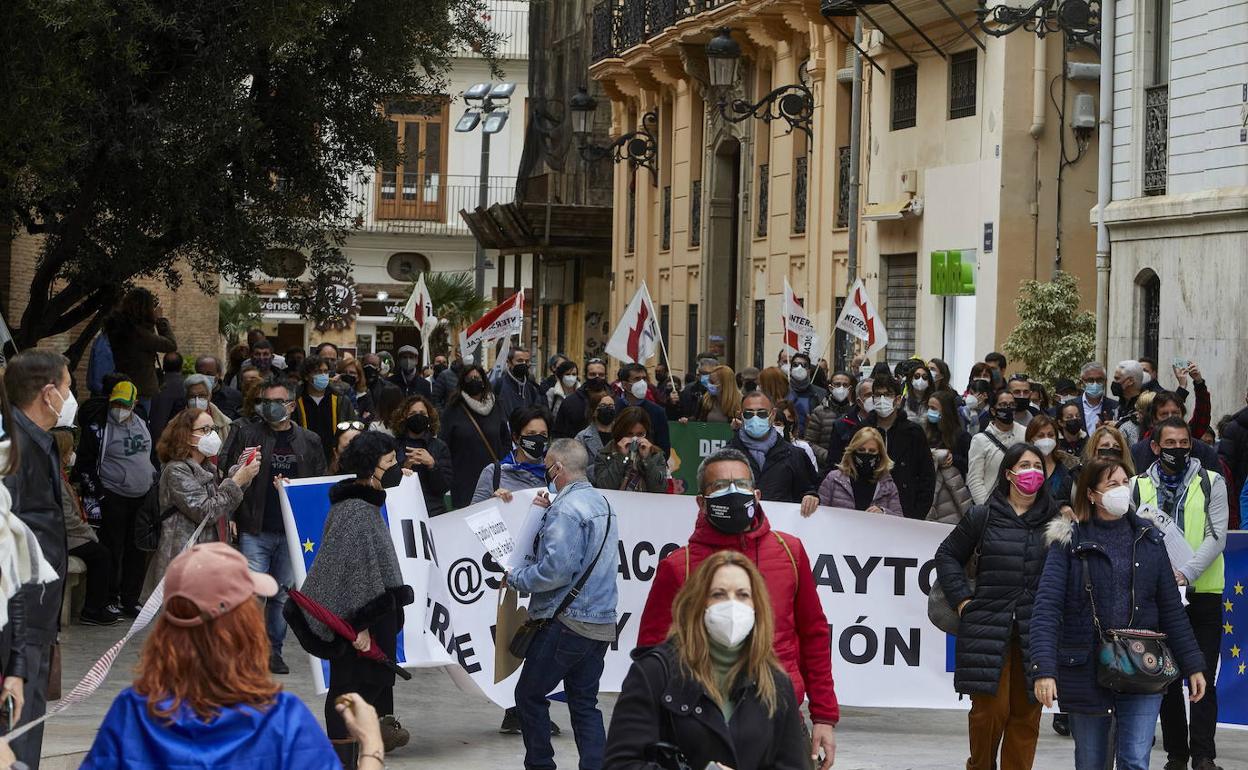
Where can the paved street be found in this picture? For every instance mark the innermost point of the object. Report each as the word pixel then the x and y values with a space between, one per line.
pixel 451 728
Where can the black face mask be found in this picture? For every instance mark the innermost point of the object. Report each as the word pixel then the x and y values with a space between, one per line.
pixel 1004 414
pixel 474 387
pixel 1074 426
pixel 534 446
pixel 417 424
pixel 520 371
pixel 391 477
pixel 439 368
pixel 748 386
pixel 370 373
pixel 606 414
pixel 1175 458
pixel 1116 389
pixel 348 379
pixel 865 464
pixel 1109 452
pixel 1022 404
pixel 732 513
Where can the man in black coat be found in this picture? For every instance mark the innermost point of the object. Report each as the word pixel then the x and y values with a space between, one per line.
pixel 407 378
pixel 636 387
pixel 906 443
pixel 572 416
pixel 782 472
pixel 515 387
pixel 38 386
pixel 229 400
pixel 171 394
pixel 691 396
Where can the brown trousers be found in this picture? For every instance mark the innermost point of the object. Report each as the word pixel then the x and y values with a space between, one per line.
pixel 1008 721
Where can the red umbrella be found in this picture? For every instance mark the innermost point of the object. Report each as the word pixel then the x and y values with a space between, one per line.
pixel 342 628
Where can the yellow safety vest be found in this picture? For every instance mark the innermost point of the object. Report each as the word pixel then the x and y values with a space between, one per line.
pixel 1195 520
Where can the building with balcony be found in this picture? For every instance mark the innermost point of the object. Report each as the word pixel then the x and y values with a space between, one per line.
pixel 407 217
pixel 962 145
pixel 1178 218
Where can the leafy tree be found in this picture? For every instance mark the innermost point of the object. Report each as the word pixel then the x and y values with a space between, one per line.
pixel 236 315
pixel 1053 336
pixel 456 304
pixel 142 133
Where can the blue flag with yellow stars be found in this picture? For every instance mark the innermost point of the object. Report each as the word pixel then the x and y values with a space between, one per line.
pixel 1232 679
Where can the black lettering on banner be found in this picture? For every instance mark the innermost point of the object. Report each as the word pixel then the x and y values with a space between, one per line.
pixel 622 559
pixel 899 565
pixel 619 628
pixel 464 581
pixel 826 574
pixel 861 571
pixel 667 551
pixel 647 572
pixel 439 621
pixel 633 567
pixel 409 539
pixel 494 568
pixel 459 646
pixel 426 537
pixel 871 642
pixel 894 644
pixel 926 574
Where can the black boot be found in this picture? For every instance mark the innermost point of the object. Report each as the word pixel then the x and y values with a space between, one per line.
pixel 348 752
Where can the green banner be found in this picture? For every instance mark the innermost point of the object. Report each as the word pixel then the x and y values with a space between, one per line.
pixel 692 443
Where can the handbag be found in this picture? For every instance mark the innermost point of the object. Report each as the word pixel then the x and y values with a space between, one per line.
pixel 1130 661
pixel 941 615
pixel 519 646
pixel 148 522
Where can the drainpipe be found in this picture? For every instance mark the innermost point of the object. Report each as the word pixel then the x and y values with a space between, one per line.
pixel 855 149
pixel 1039 74
pixel 1104 177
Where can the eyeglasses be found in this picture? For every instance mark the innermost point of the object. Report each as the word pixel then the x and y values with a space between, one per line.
pixel 742 485
pixel 204 431
pixel 350 425
pixel 748 413
pixel 281 401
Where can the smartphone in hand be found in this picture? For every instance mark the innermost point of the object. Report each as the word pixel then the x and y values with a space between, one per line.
pixel 8 713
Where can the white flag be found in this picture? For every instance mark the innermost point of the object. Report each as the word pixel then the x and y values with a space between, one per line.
pixel 419 306
pixel 859 318
pixel 636 337
pixel 506 319
pixel 799 331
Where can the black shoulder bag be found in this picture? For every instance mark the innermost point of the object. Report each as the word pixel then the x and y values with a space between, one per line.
pixel 526 633
pixel 1130 661
pixel 149 520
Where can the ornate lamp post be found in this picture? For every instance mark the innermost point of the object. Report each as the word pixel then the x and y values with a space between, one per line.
pixel 639 147
pixel 793 103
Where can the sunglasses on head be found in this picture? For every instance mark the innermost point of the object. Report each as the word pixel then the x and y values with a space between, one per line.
pixel 350 425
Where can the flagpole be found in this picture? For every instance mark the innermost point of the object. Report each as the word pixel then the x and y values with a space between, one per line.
pixel 670 378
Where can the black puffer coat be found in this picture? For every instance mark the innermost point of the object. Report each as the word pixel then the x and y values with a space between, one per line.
pixel 1011 558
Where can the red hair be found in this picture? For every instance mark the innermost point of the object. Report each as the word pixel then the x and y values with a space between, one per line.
pixel 219 664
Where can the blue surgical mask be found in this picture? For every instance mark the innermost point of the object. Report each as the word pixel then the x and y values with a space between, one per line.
pixel 933 416
pixel 705 380
pixel 1094 389
pixel 757 427
pixel 212 383
pixel 320 381
pixel 712 388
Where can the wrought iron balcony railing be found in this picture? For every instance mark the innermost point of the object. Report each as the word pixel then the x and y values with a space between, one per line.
pixel 621 24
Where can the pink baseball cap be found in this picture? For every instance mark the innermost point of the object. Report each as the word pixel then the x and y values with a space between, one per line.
pixel 216 579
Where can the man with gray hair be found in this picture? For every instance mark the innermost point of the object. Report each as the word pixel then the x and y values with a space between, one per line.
pixel 1128 384
pixel 730 517
pixel 571 577
pixel 1095 407
pixel 228 400
pixel 845 428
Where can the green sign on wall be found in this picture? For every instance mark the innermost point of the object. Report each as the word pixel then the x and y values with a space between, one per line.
pixel 953 273
pixel 692 443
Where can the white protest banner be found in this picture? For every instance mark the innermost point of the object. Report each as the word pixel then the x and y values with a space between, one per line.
pixel 799 331
pixel 873 573
pixel 506 319
pixel 859 318
pixel 491 530
pixel 636 336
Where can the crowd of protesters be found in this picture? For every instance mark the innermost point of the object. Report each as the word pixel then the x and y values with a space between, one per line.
pixel 168 453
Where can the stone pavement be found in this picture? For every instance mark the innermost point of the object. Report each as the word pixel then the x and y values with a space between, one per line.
pixel 453 729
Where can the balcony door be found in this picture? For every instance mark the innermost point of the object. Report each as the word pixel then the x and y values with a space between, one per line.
pixel 415 189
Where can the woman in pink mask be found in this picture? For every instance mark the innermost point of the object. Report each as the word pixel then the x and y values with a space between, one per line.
pixel 1001 544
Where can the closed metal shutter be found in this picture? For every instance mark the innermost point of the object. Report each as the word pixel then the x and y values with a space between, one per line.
pixel 901 289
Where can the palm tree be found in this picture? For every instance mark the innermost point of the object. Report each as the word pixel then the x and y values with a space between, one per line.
pixel 237 314
pixel 455 302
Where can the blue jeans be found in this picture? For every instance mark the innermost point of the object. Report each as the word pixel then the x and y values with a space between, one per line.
pixel 267 552
pixel 555 655
pixel 1135 721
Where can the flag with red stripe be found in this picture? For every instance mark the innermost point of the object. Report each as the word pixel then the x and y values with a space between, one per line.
pixel 636 337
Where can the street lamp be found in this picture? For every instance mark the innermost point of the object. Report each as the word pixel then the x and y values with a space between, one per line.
pixel 1079 19
pixel 639 147
pixel 488 108
pixel 794 102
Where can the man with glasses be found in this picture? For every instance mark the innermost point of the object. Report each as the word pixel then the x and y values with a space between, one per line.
pixel 287 451
pixel 730 517
pixel 691 396
pixel 781 471
pixel 573 414
pixel 1095 406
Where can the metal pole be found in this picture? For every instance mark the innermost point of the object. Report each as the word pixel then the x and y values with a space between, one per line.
pixel 1104 178
pixel 483 192
pixel 855 149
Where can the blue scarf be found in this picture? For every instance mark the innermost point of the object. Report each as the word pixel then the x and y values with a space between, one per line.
pixel 537 469
pixel 759 447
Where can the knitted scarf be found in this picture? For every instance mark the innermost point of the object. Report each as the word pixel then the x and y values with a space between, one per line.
pixel 759 447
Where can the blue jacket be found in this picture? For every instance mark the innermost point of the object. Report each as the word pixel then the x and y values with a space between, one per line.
pixel 1063 639
pixel 572 531
pixel 285 735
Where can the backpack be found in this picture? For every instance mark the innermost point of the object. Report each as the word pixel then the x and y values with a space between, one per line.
pixel 101 363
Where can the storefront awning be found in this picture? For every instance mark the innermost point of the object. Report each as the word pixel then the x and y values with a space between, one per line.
pixel 521 228
pixel 878 212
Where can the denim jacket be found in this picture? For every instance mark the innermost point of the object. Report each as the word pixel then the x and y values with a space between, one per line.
pixel 571 533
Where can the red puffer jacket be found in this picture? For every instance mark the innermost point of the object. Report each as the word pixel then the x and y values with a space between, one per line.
pixel 802 641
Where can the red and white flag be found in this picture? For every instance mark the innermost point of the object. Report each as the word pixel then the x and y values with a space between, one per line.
pixel 636 337
pixel 506 319
pixel 799 331
pixel 419 306
pixel 859 318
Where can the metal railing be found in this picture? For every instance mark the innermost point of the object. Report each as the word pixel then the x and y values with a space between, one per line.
pixel 509 18
pixel 621 24
pixel 1156 138
pixel 385 203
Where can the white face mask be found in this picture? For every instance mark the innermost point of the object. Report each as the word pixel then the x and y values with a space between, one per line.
pixel 1116 501
pixel 840 393
pixel 119 415
pixel 798 373
pixel 569 380
pixel 918 384
pixel 638 389
pixel 884 406
pixel 1046 445
pixel 197 402
pixel 68 411
pixel 729 623
pixel 210 445
pixel 1147 378
pixel 785 368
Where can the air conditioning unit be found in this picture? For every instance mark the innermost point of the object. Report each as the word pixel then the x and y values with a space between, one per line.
pixel 910 182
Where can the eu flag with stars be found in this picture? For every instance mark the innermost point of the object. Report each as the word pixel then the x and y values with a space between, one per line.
pixel 1232 681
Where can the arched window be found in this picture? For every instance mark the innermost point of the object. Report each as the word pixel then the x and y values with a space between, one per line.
pixel 1148 286
pixel 405 266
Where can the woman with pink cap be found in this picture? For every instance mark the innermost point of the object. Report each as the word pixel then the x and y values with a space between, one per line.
pixel 204 698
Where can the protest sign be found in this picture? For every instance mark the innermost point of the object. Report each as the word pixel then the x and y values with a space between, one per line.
pixel 692 443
